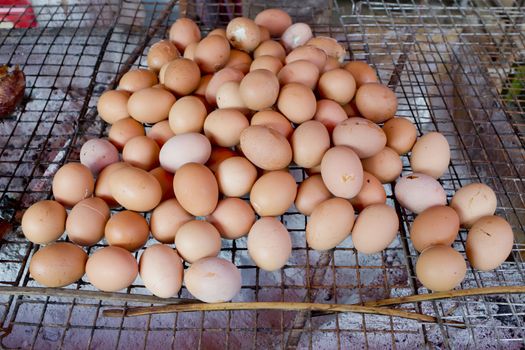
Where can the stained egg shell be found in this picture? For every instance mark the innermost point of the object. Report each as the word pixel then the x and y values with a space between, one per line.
pixel 127 229
pixel 243 34
pixel 440 268
pixel 417 192
pixel 212 53
pixel 196 240
pixel 472 202
pixel 72 183
pixel 342 172
pixel 111 269
pixel 375 228
pixel 196 189
pixel 161 270
pixel 86 221
pixel 430 155
pixel 269 244
pixel 183 149
pixel 135 189
pixel 166 219
pixel 233 217
pixel 265 147
pixel 312 192
pixel 372 192
pixel 273 193
pixel 361 135
pixel 161 53
pixel 296 35
pixel 435 225
pixel 44 221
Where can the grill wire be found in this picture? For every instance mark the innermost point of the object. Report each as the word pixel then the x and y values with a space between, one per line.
pixel 453 68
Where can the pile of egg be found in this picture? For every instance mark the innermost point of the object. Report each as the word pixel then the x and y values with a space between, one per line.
pixel 225 120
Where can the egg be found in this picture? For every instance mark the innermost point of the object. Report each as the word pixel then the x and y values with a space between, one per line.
pixel 331 63
pixel 135 189
pixel 218 155
pixel 301 71
pixel 430 155
pixel 187 115
pixel 376 102
pixel 212 53
pixel 375 228
pixel 223 127
pixel 127 229
pixel 273 64
pixel 372 192
pixel 166 219
pixel 269 244
pixel 239 60
pixel 124 130
pixel 330 46
pixel 265 147
pixel 364 137
pixel 264 33
pixel 489 242
pixel 196 240
pixel 161 270
pixel 312 192
pixel 273 193
pixel 440 268
pixel 161 53
pixel 296 35
pixel 229 96
pixel 308 53
pixel 111 269
pixel 330 113
pixel 72 183
pixel 270 48
pixel 329 224
pixel 102 187
pixel 218 79
pixel 196 189
pixel 259 89
pixel 308 153
pixel 184 32
pixel 275 20
pixel 342 172
pixel 137 79
pixel 385 165
pixel 44 222
pixel 58 264
pixel 417 192
pixel 203 85
pixel 141 109
pixel 351 109
pixel 141 152
pixel 161 132
pixel 184 148
pixel 297 102
pixel 400 134
pixel 361 72
pixel 233 218
pixel 213 280
pixel 182 76
pixel 273 120
pixel 472 202
pixel 337 85
pixel 165 179
pixel 217 31
pixel 435 225
pixel 86 221
pixel 243 33
pixel 97 154
pixel 112 105
pixel 235 176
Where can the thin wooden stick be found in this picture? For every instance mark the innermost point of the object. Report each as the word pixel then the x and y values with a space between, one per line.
pixel 447 295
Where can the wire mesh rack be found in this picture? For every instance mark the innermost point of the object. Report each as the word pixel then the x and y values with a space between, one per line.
pixel 456 68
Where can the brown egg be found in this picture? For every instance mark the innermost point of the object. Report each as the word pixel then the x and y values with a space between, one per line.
pixel 196 240
pixel 97 154
pixel 141 109
pixel 310 141
pixel 135 189
pixel 187 115
pixel 270 63
pixel 229 96
pixel 431 155
pixel 269 244
pixel 184 148
pixel 141 152
pixel 58 264
pixel 440 268
pixel 330 46
pixel 137 79
pixel 375 228
pixel 307 53
pixel 196 189
pixel 310 194
pixel 161 53
pixel 361 72
pixel 223 76
pixel 264 33
pixel 223 127
pixel 331 64
pixel 218 155
pixel 161 270
pixel 86 221
pixel 342 172
pixel 189 52
pixel 270 48
pixel 162 72
pixel 296 35
pixel 235 176
pixel 165 179
pixel 338 85
pixel 301 71
pixel 166 219
pixel 239 60
pixel 275 20
pixel 182 76
pixel 372 192
pixel 259 89
pixel 44 222
pixel 72 183
pixel 330 113
pixel 265 147
pixel 400 134
pixel 113 105
pixel 351 109
pixel 127 229
pixel 361 135
pixel 376 102
pixel 218 31
pixel 161 132
pixel 435 225
pixel 297 102
pixel 212 53
pixel 418 192
pixel 273 120
pixel 124 130
pixel 111 269
pixel 184 32
pixel 330 223
pixel 314 170
pixel 233 218
pixel 102 187
pixel 243 34
pixel 472 202
pixel 385 165
pixel 203 85
pixel 273 193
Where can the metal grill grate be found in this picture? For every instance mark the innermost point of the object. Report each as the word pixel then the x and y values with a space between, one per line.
pixel 454 69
